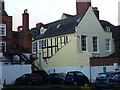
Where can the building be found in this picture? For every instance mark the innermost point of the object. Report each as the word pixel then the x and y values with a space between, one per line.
pixel 69 43
pixel 13 42
pixel 15 47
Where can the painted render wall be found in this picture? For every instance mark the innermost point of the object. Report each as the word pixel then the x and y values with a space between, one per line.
pixel 68 56
pixel 90 26
pixel 71 54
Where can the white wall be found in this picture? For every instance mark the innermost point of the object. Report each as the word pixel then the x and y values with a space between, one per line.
pixel 0 72
pixel 90 72
pixel 11 72
pixel 84 69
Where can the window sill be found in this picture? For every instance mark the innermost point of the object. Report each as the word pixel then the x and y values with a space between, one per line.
pixel 108 51
pixel 96 52
pixel 84 51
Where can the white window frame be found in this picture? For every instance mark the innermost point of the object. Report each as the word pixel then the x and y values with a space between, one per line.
pixel 42 30
pixel 95 44
pixel 40 45
pixel 34 47
pixel 107 45
pixel 3 26
pixel 86 44
pixel 4 45
pixel 107 28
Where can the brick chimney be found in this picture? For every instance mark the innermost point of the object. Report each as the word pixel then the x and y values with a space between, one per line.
pixel 39 24
pixel 2 5
pixel 82 6
pixel 25 20
pixel 96 11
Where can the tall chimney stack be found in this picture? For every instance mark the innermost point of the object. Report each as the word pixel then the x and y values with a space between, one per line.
pixel 2 5
pixel 25 20
pixel 82 6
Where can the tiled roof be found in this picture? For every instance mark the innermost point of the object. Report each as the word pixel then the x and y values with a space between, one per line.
pixel 60 27
pixel 114 29
pixel 106 23
pixel 116 32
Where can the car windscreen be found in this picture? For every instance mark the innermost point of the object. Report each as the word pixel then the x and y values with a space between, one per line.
pixel 103 75
pixel 116 77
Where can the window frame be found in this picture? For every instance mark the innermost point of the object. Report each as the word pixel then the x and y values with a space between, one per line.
pixel 107 45
pixel 95 44
pixel 107 28
pixel 40 45
pixel 34 49
pixel 86 47
pixel 3 26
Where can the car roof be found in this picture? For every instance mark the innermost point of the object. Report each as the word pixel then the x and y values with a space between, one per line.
pixel 107 72
pixel 73 71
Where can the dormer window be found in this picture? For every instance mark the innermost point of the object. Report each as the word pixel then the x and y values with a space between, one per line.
pixel 42 30
pixel 2 29
pixel 107 28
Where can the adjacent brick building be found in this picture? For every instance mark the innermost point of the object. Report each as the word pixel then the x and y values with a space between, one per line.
pixel 13 42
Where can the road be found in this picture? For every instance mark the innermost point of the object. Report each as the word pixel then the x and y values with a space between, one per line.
pixel 50 87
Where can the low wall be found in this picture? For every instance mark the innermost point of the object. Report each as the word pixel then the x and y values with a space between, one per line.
pixel 90 72
pixel 11 72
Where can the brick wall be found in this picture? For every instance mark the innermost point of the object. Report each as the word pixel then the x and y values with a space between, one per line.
pixel 104 61
pixel 8 38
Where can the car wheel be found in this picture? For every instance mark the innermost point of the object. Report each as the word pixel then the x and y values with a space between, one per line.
pixel 75 83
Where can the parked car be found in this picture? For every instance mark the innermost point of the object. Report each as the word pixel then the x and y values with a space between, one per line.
pixel 103 79
pixel 56 78
pixel 29 79
pixel 76 77
pixel 115 81
pixel 43 73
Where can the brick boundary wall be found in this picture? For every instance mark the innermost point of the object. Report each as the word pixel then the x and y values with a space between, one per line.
pixel 104 61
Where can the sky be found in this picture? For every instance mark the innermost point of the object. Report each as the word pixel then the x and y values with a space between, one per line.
pixel 47 11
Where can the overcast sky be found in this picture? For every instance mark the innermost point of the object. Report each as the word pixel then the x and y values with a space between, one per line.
pixel 47 11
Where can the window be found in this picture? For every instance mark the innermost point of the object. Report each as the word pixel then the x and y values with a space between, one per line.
pixel 84 43
pixel 107 28
pixel 2 47
pixel 2 29
pixel 44 43
pixel 34 47
pixel 108 45
pixel 41 44
pixel 42 30
pixel 95 44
